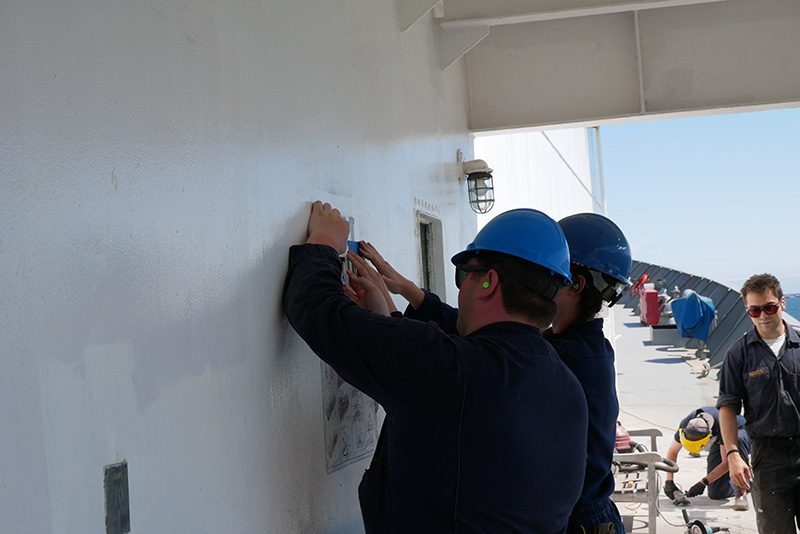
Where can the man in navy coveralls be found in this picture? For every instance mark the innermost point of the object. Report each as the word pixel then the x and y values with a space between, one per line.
pixel 761 371
pixel 464 445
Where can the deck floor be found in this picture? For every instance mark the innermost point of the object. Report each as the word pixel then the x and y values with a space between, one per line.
pixel 659 385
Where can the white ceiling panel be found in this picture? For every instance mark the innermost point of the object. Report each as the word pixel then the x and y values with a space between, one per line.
pixel 554 72
pixel 583 62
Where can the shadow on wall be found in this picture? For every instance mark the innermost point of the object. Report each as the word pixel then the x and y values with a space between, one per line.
pixel 218 331
pixel 214 314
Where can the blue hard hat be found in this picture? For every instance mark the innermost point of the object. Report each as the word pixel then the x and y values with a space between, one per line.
pixel 597 243
pixel 524 233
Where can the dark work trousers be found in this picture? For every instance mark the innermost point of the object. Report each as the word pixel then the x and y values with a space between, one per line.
pixel 722 488
pixel 776 484
pixel 591 517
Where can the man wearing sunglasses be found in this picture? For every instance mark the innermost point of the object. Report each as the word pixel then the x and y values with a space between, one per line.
pixel 761 371
pixel 467 402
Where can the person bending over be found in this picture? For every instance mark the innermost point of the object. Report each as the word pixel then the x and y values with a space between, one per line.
pixel 698 431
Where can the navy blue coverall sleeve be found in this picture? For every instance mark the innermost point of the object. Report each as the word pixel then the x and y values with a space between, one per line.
pixel 731 384
pixel 433 309
pixel 375 353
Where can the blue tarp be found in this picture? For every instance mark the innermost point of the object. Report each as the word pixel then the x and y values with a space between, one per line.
pixel 693 314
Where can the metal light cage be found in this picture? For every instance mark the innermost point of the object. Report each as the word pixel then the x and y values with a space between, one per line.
pixel 481 191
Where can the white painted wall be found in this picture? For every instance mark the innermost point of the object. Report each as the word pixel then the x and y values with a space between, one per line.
pixel 546 170
pixel 157 159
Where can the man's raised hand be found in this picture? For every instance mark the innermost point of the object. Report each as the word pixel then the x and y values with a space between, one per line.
pixel 395 282
pixel 326 227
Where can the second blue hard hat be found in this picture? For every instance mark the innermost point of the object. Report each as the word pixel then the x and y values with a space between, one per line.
pixel 597 243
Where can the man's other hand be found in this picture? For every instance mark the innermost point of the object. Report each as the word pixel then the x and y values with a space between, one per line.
pixel 670 488
pixel 326 227
pixel 365 270
pixel 696 490
pixel 739 471
pixel 395 282
pixel 367 295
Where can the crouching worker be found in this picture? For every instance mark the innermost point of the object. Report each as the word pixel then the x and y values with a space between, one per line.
pixel 700 431
pixel 460 449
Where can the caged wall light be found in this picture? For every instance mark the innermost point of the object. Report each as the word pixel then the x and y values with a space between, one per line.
pixel 479 185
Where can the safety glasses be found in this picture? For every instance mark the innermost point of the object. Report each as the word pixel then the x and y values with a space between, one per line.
pixel 463 270
pixel 769 309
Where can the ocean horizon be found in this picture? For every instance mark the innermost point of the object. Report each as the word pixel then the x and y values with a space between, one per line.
pixel 793 305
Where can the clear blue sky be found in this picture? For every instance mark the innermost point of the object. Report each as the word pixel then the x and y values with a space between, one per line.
pixel 717 196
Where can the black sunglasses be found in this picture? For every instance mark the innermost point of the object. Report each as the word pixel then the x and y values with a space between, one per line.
pixel 463 270
pixel 769 309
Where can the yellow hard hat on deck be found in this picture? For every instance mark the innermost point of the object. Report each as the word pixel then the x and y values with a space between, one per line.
pixel 697 434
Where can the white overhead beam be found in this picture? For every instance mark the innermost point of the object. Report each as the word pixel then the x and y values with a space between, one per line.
pixel 642 102
pixel 699 59
pixel 566 13
pixel 410 11
pixel 452 43
pixel 456 37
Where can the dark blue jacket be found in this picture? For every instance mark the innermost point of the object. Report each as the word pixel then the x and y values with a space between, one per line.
pixel 589 355
pixel 768 386
pixel 484 433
